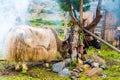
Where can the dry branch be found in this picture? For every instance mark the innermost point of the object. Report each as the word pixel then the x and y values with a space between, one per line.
pixel 94 23
pixel 112 47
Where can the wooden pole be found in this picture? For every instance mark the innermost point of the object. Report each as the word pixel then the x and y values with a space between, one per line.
pixel 112 47
pixel 81 14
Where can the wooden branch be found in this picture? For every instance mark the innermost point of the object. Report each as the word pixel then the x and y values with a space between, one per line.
pixel 112 47
pixel 72 13
pixel 94 23
pixel 81 14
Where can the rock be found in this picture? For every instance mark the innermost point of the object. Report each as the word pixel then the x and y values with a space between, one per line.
pixel 98 59
pixel 94 71
pixel 104 67
pixel 95 64
pixel 86 67
pixel 88 61
pixel 79 69
pixel 73 78
pixel 104 76
pixel 58 66
pixel 76 70
pixel 80 62
pixel 65 72
pixel 68 61
pixel 46 65
pixel 75 74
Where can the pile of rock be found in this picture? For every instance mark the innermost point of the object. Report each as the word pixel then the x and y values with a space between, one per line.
pixel 91 65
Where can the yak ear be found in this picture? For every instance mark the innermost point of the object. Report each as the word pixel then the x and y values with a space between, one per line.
pixel 84 20
pixel 65 42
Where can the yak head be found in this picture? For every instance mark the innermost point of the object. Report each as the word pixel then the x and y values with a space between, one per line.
pixel 64 49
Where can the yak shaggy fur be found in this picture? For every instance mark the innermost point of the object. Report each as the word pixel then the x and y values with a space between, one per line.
pixel 31 44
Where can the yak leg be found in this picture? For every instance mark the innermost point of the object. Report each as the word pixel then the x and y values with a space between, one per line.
pixel 47 65
pixel 17 67
pixel 24 66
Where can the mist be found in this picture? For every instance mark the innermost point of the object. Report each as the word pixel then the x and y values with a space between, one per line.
pixel 16 12
pixel 51 6
pixel 113 7
pixel 12 13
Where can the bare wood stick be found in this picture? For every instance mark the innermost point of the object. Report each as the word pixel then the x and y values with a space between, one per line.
pixel 81 14
pixel 112 47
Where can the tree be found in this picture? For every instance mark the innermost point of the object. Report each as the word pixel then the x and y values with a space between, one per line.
pixel 66 5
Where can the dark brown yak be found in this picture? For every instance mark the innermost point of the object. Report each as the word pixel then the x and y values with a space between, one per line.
pixel 33 44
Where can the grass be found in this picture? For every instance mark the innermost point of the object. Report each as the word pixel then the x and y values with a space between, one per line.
pixel 111 57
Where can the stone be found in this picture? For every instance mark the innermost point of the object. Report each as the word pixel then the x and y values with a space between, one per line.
pixel 88 61
pixel 95 64
pixel 58 66
pixel 65 72
pixel 75 74
pixel 67 61
pixel 94 71
pixel 73 78
pixel 78 69
pixel 80 62
pixel 104 76
pixel 104 67
pixel 86 67
pixel 98 59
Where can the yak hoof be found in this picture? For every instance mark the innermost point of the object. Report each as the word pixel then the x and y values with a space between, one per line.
pixel 46 65
pixel 17 67
pixel 24 67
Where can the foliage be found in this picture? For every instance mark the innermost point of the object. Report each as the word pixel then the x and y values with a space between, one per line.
pixel 41 22
pixel 46 11
pixel 66 4
pixel 73 64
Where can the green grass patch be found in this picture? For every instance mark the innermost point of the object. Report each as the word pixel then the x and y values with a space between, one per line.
pixel 111 57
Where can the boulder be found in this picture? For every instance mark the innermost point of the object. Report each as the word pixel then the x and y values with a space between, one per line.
pixel 58 66
pixel 65 72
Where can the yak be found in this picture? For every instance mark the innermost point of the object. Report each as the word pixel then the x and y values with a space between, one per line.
pixel 27 43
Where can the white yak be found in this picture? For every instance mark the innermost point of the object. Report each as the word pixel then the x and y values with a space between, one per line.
pixel 27 43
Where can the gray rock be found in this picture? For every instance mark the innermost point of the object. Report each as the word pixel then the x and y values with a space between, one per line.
pixel 88 61
pixel 58 66
pixel 104 76
pixel 104 67
pixel 65 72
pixel 95 64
